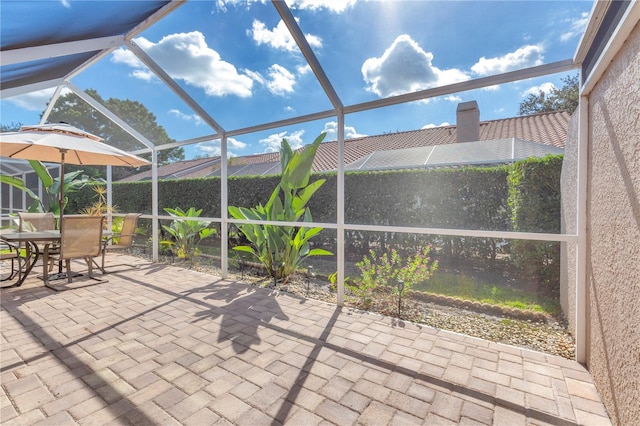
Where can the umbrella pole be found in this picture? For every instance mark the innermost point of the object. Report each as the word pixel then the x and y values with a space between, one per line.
pixel 61 192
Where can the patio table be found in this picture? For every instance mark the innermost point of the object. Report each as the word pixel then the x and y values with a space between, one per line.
pixel 30 241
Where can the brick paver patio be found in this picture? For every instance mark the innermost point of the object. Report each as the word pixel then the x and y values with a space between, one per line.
pixel 164 345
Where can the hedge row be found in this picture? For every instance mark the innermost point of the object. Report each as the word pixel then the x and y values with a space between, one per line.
pixel 534 203
pixel 524 196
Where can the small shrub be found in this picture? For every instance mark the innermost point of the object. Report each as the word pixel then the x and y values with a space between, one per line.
pixel 387 270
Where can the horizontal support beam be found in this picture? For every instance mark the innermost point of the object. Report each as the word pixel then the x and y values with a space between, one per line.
pixel 538 71
pixel 282 123
pixel 476 233
pixel 36 53
pixel 29 88
pixel 463 86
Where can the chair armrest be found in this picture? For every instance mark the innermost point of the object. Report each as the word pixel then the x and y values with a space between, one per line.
pixel 13 250
pixel 9 245
pixel 107 239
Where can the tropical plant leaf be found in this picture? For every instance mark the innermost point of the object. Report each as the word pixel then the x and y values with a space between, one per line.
pixel 320 252
pixel 303 196
pixel 42 172
pixel 246 249
pixel 298 170
pixel 18 184
pixel 285 154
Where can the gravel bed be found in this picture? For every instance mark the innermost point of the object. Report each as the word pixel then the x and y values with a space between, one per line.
pixel 549 335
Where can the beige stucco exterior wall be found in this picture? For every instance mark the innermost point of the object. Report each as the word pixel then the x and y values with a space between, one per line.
pixel 613 236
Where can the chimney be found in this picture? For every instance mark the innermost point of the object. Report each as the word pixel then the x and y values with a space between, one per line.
pixel 468 122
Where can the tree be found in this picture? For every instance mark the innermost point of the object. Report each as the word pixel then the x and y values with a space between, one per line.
pixel 73 110
pixel 563 99
pixel 13 127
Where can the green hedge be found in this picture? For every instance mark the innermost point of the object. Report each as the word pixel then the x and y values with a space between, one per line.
pixel 534 204
pixel 524 196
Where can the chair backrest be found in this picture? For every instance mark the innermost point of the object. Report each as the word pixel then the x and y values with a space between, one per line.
pixel 37 221
pixel 128 229
pixel 81 236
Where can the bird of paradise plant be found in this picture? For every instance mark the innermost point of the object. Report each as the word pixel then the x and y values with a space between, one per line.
pixel 282 249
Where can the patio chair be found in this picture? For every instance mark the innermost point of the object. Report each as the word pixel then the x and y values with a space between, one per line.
pixel 125 238
pixel 31 222
pixel 81 238
pixel 34 222
pixel 10 253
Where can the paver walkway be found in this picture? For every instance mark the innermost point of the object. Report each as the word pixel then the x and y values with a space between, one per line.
pixel 163 345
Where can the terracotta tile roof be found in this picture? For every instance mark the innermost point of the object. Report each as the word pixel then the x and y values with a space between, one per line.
pixel 546 128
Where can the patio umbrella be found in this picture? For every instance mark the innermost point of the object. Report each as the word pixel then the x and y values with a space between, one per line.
pixel 64 144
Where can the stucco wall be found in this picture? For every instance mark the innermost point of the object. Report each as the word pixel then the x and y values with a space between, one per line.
pixel 568 185
pixel 613 219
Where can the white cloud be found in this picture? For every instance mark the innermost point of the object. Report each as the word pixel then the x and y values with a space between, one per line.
pixel 527 56
pixel 331 129
pixel 35 101
pixel 65 3
pixel 281 81
pixel 303 69
pixel 289 108
pixel 448 98
pixel 187 117
pixel 255 76
pixel 545 88
pixel 124 56
pixel 222 4
pixel 235 144
pixel 186 56
pixel 337 6
pixel 405 67
pixel 212 148
pixel 145 75
pixel 452 98
pixel 576 27
pixel 279 37
pixel 272 142
pixel 431 125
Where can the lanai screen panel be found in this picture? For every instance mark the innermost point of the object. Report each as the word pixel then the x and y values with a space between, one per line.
pixel 236 62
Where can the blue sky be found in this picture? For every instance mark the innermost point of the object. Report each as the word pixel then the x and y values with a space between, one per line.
pixel 238 61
